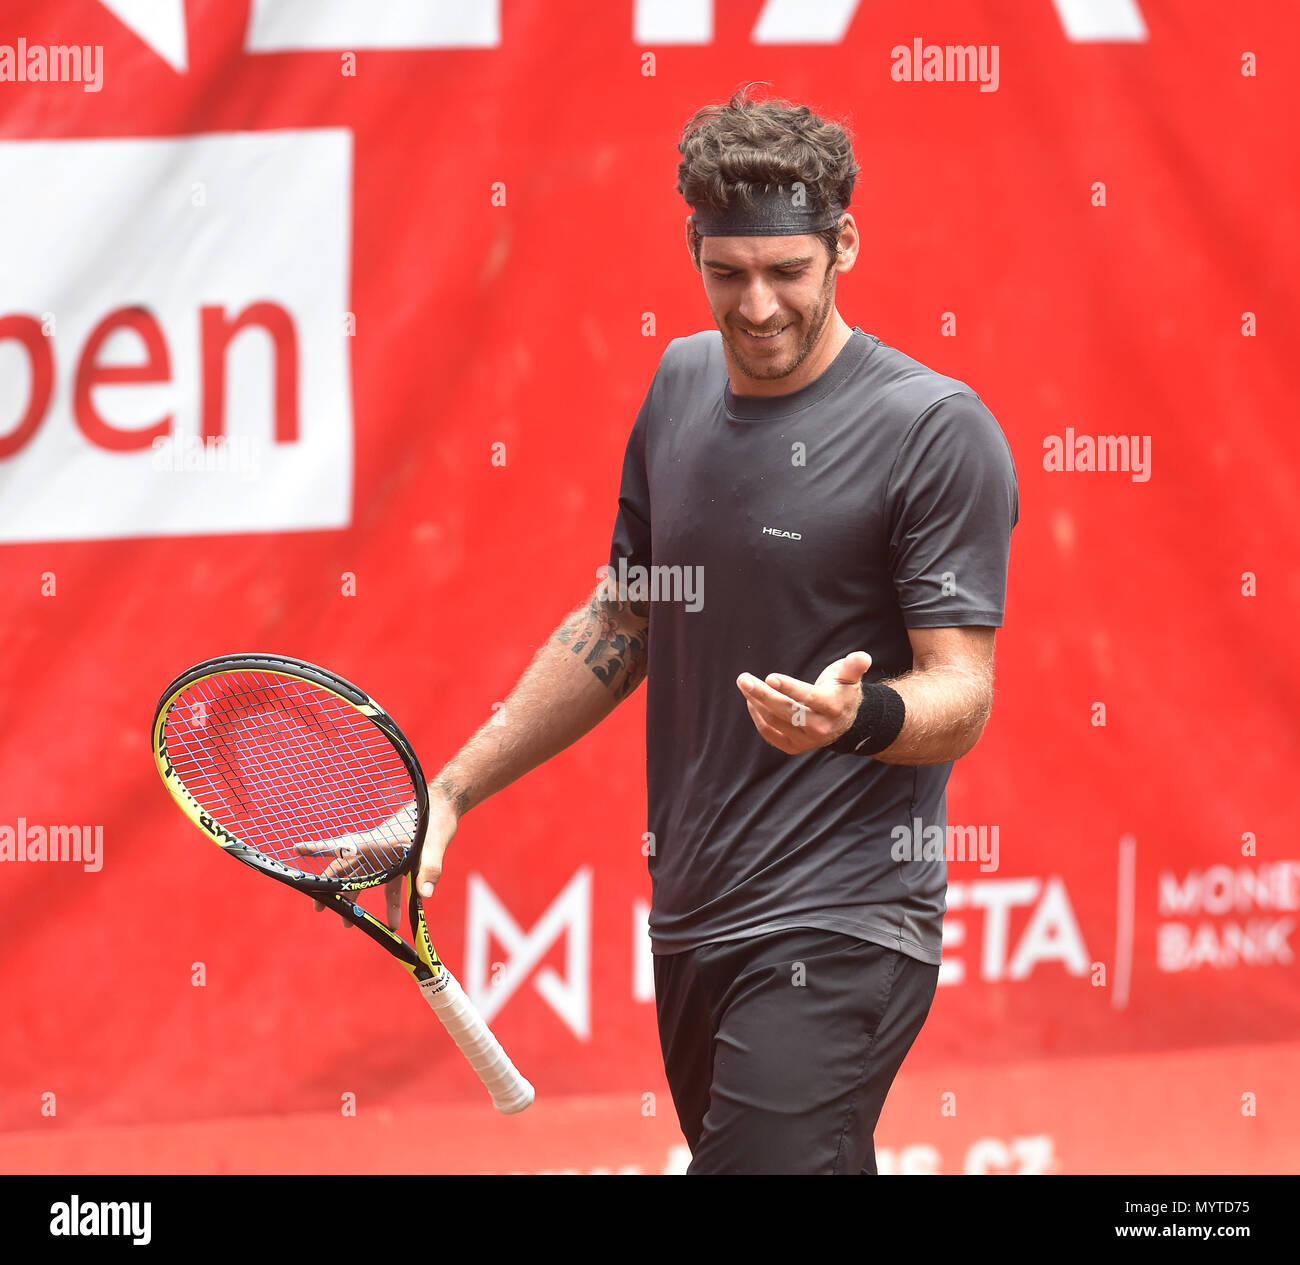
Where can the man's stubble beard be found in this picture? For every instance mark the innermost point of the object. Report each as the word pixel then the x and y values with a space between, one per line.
pixel 811 335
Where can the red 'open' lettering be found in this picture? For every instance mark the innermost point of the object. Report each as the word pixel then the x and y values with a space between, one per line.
pixel 217 332
pixel 156 368
pixel 27 330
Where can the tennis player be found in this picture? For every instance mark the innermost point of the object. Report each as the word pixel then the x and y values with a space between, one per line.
pixel 845 516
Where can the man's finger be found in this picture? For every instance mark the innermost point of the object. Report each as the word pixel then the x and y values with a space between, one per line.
pixel 776 721
pixel 319 906
pixel 792 687
pixel 345 855
pixel 393 893
pixel 769 732
pixel 757 691
pixel 317 847
pixel 853 667
pixel 430 868
pixel 340 868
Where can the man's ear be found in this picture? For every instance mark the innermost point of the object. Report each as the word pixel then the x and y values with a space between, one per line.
pixel 692 244
pixel 849 244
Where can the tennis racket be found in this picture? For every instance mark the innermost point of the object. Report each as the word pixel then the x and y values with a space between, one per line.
pixel 301 776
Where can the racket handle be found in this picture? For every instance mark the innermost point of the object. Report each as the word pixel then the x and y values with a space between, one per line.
pixel 510 1091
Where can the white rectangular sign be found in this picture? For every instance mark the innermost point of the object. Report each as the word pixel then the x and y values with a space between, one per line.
pixel 174 335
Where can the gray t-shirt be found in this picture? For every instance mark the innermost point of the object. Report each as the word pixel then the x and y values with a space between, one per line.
pixel 879 497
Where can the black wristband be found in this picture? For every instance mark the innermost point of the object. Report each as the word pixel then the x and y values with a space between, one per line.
pixel 879 721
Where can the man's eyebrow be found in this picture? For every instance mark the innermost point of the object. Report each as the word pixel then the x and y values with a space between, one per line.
pixel 782 263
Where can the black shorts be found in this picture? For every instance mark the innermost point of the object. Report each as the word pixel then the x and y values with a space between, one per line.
pixel 780 1049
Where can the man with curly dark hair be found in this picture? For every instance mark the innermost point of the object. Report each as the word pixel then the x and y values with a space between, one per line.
pixel 786 169
pixel 851 511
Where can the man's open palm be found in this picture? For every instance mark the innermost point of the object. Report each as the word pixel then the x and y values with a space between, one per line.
pixel 795 716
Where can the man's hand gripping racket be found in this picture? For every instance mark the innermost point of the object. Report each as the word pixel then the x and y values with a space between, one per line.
pixel 304 778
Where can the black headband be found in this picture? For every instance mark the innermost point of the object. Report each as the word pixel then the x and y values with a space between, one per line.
pixel 777 212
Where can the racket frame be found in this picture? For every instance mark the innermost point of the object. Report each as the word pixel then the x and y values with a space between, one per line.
pixel 510 1091
pixel 422 960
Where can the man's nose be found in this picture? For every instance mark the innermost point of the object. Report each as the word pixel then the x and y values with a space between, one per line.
pixel 758 305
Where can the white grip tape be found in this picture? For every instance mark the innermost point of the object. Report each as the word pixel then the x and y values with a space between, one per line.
pixel 510 1092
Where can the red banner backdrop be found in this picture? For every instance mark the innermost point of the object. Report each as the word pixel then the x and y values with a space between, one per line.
pixel 415 272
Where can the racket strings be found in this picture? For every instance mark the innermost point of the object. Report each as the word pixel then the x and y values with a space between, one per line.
pixel 305 794
pixel 232 722
pixel 305 771
pixel 281 762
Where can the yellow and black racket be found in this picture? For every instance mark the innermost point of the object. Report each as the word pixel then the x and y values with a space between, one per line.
pixel 300 775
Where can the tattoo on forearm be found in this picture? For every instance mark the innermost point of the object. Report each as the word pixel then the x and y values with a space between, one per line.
pixel 458 795
pixel 612 638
